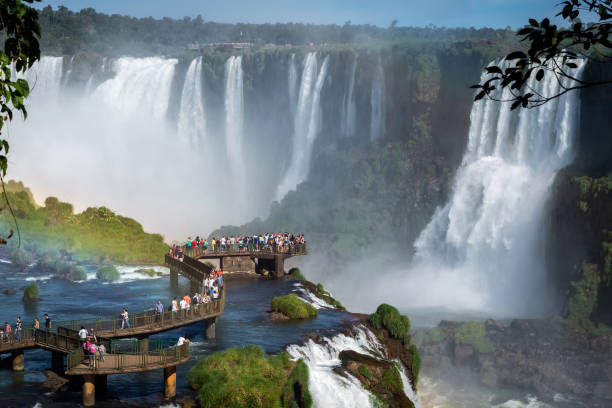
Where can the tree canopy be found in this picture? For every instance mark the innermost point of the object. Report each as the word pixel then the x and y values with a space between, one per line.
pixel 553 50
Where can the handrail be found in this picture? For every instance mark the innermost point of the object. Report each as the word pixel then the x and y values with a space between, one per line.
pixel 299 249
pixel 124 360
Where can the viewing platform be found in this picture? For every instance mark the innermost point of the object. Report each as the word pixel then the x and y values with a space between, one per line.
pixel 68 357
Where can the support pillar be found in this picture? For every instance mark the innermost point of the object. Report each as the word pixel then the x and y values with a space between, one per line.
pixel 17 360
pixel 210 326
pixel 279 266
pixel 89 390
pixel 170 382
pixel 173 278
pixel 101 384
pixel 221 266
pixel 57 363
pixel 143 345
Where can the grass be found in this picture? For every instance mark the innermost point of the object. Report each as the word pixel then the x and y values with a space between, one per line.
pixel 583 300
pixel 96 235
pixel 108 273
pixel 245 377
pixel 295 273
pixel 365 371
pixel 31 292
pixel 293 307
pixel 474 334
pixel 391 380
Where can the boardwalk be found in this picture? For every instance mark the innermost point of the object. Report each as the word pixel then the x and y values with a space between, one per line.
pixel 63 340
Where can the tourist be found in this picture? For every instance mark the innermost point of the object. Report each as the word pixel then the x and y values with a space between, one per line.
pixel 183 304
pixel 7 331
pixel 174 305
pixel 83 334
pixel 125 321
pixel 47 322
pixel 92 333
pixel 18 326
pixel 36 323
pixel 181 341
pixel 102 351
pixel 159 309
pixel 93 350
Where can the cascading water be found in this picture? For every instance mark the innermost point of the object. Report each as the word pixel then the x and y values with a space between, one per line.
pixel 348 116
pixel 192 120
pixel 306 125
pixel 45 79
pixel 144 83
pixel 293 78
pixel 234 114
pixel 484 249
pixel 377 101
pixel 329 389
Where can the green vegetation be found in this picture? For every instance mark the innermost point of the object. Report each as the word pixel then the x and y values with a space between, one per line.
pixel 295 273
pixel 377 402
pixel 147 271
pixel 583 300
pixel 295 393
pixel 416 362
pixel 107 273
pixel 321 289
pixel 96 235
pixel 365 371
pixel 244 377
pixel 391 380
pixel 210 265
pixel 474 334
pixel 73 272
pixel 388 317
pixel 292 306
pixel 31 292
pixel 435 335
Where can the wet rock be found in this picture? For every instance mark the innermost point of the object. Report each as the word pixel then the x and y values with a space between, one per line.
pixel 54 382
pixel 463 354
pixel 277 316
pixel 9 291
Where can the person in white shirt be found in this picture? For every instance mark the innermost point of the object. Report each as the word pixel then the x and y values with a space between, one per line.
pixel 83 334
pixel 174 305
pixel 181 341
pixel 183 304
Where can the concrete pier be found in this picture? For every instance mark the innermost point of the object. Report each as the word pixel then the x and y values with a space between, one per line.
pixel 17 360
pixel 170 382
pixel 211 328
pixel 89 390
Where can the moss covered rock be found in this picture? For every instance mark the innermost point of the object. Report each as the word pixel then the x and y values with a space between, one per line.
pixel 147 271
pixel 31 293
pixel 108 273
pixel 247 377
pixel 293 307
pixel 295 273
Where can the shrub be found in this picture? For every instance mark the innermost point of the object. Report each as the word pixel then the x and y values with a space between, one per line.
pixel 583 300
pixel 210 265
pixel 31 292
pixel 295 273
pixel 68 271
pixel 388 317
pixel 365 371
pixel 474 334
pixel 293 307
pixel 246 377
pixel 321 289
pixel 108 273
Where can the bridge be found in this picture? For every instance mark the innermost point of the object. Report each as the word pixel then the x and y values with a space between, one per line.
pixel 64 342
pixel 231 260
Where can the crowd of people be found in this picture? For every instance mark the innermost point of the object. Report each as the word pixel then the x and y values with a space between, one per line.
pixel 271 242
pixel 212 286
pixel 14 332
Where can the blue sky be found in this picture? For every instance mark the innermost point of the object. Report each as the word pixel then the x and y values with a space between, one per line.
pixel 442 13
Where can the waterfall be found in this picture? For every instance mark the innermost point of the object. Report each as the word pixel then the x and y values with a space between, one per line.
pixel 293 78
pixel 484 249
pixel 377 101
pixel 66 80
pixel 142 83
pixel 192 121
pixel 234 113
pixel 306 125
pixel 45 79
pixel 347 119
pixel 329 389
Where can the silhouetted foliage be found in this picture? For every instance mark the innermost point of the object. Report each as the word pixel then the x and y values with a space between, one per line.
pixel 553 51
